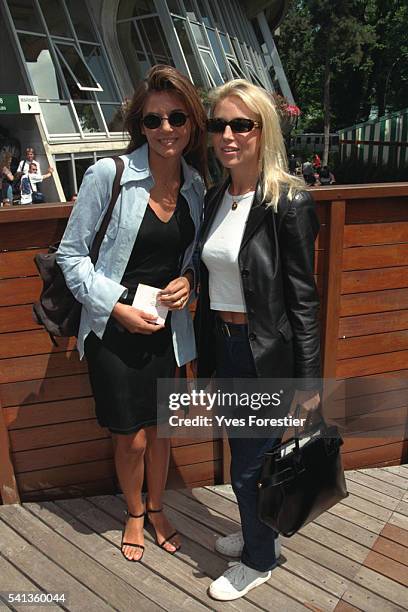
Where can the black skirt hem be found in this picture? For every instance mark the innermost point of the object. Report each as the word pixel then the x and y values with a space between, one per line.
pixel 134 429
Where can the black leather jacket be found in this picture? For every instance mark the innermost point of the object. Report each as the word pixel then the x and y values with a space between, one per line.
pixel 276 260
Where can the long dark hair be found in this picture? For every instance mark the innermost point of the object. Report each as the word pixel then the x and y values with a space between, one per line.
pixel 165 78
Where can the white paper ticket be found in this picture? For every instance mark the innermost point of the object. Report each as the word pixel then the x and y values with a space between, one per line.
pixel 146 300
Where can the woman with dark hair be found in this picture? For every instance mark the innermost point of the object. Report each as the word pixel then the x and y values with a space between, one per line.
pixel 7 179
pixel 257 313
pixel 150 240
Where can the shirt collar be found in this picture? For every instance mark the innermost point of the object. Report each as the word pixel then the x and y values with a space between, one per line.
pixel 137 168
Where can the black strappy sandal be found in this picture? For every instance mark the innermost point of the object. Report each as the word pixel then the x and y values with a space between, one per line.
pixel 122 544
pixel 166 540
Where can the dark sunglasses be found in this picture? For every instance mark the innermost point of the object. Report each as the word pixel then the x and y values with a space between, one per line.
pixel 153 121
pixel 240 125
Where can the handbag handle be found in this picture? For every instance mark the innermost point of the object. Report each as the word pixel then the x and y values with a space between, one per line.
pixel 309 420
pixel 96 245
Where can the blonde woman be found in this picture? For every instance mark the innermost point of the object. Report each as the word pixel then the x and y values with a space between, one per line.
pixel 257 314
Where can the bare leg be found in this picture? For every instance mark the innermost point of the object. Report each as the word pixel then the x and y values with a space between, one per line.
pixel 157 466
pixel 129 461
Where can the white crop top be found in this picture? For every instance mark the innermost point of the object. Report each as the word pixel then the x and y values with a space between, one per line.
pixel 221 249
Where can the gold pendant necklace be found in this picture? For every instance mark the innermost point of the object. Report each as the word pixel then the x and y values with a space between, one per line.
pixel 234 205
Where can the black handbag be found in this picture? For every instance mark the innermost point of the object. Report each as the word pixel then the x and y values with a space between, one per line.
pixel 57 310
pixel 301 478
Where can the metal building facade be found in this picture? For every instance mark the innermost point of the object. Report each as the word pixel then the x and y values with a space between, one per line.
pixel 83 58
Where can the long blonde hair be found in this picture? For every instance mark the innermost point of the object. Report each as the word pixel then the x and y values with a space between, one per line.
pixel 273 163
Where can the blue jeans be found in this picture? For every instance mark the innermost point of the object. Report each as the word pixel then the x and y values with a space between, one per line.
pixel 234 360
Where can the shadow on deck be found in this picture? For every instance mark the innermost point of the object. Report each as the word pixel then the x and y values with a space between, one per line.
pixel 354 557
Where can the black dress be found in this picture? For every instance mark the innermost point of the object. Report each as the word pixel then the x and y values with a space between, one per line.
pixel 124 367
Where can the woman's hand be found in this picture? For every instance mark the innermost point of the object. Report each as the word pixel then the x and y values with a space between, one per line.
pixel 175 295
pixel 309 400
pixel 134 320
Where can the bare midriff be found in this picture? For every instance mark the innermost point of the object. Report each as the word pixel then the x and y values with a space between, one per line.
pixel 239 318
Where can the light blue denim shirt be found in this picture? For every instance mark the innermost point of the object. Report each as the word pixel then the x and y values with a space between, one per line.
pixel 98 287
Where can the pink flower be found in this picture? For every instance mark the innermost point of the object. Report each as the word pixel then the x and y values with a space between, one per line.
pixel 292 109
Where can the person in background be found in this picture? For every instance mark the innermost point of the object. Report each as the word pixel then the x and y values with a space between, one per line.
pixel 317 162
pixel 24 165
pixel 325 176
pixel 74 198
pixel 7 178
pixel 292 164
pixel 28 185
pixel 257 311
pixel 308 173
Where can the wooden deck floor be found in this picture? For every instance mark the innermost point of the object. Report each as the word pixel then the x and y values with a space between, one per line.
pixel 354 557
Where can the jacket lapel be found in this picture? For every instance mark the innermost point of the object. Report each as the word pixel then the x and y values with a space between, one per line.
pixel 255 217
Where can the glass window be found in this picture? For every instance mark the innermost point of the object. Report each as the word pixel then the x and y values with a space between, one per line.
pixel 154 39
pixel 96 62
pixel 56 19
pixel 25 15
pixel 133 54
pixel 205 15
pixel 80 19
pixel 216 14
pixel 81 166
pixel 218 53
pixel 190 10
pixel 226 18
pixel 89 117
pixel 40 67
pixel 113 114
pixel 211 67
pixel 77 67
pixel 199 35
pixel 174 7
pixel 74 92
pixel 236 69
pixel 184 40
pixel 226 44
pixel 58 118
pixel 135 8
pixel 255 78
pixel 65 174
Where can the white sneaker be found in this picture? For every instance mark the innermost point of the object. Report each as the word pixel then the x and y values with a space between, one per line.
pixel 236 582
pixel 232 545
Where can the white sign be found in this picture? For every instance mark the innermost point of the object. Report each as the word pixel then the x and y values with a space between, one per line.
pixel 29 104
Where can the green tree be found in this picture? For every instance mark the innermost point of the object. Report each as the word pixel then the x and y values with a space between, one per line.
pixel 389 77
pixel 296 43
pixel 360 46
pixel 339 40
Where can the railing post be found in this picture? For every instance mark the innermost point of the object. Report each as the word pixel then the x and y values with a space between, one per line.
pixel 332 291
pixel 8 484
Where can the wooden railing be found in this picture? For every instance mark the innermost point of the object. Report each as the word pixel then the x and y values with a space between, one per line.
pixel 50 443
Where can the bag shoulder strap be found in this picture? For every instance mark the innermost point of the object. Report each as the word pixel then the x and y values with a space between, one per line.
pixel 96 245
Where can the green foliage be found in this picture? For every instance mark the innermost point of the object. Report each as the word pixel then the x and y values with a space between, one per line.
pixel 365 43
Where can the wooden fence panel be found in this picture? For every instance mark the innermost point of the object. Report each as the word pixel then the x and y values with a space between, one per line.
pixel 54 445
